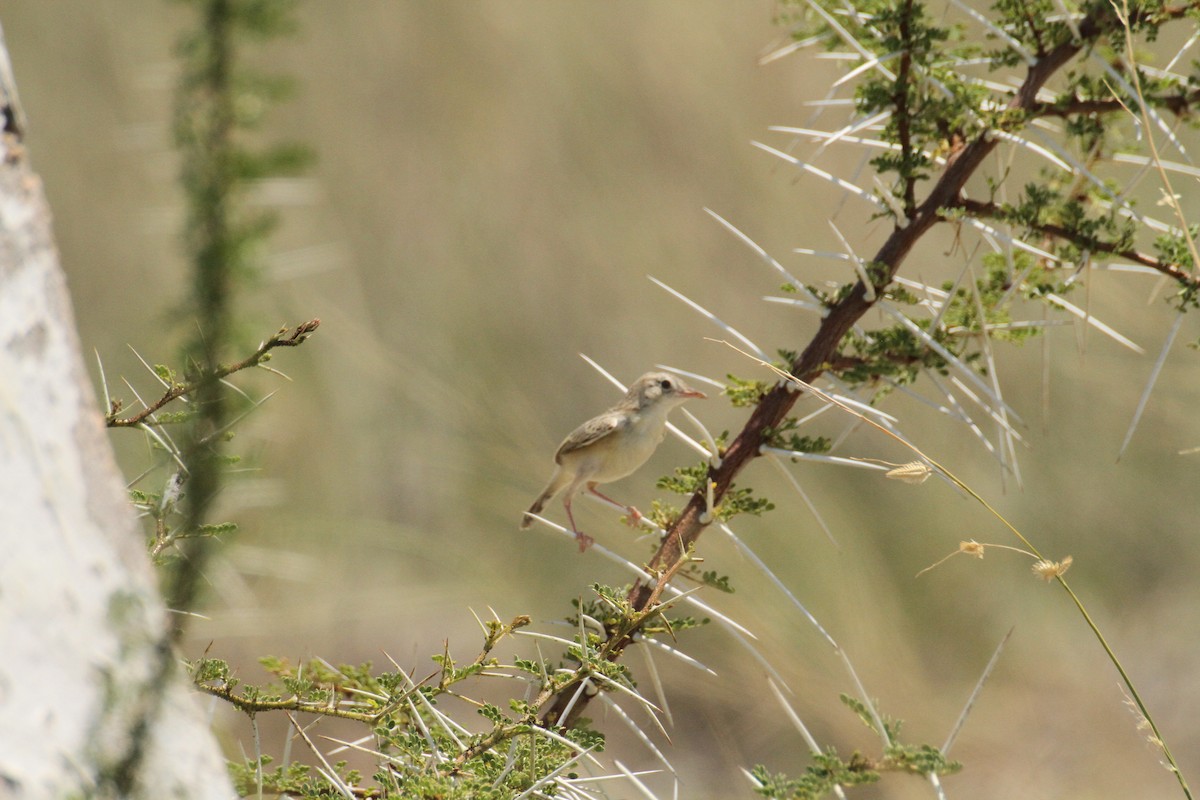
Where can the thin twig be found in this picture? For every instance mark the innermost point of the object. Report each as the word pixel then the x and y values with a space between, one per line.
pixel 177 390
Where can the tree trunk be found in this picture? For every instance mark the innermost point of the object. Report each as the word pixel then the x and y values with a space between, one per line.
pixel 91 701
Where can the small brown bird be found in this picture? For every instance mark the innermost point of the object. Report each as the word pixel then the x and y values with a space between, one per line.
pixel 613 444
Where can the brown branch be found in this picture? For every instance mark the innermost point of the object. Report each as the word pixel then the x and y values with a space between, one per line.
pixel 904 113
pixel 842 316
pixel 1178 104
pixel 177 390
pixel 1177 273
pixel 1036 32
pixel 252 707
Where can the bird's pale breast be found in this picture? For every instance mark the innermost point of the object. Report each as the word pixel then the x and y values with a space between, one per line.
pixel 623 451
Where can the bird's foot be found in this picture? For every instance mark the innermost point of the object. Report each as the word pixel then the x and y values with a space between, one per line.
pixel 633 517
pixel 584 540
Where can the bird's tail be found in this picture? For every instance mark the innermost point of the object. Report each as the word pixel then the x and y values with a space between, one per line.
pixel 552 488
pixel 536 508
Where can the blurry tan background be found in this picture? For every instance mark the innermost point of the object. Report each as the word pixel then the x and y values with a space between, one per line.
pixel 495 182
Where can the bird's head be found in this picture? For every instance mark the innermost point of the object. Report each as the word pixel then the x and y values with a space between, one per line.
pixel 656 388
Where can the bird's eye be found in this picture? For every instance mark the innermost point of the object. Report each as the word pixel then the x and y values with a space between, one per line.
pixel 665 385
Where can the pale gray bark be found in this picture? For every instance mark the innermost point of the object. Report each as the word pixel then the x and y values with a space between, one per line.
pixel 91 703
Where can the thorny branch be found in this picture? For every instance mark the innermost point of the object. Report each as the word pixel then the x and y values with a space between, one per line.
pixel 1179 104
pixel 250 706
pixel 978 208
pixel 962 162
pixel 902 111
pixel 177 390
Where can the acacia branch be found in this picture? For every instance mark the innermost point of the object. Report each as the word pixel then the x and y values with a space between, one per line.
pixel 1179 104
pixel 177 390
pixel 774 406
pixel 991 210
pixel 843 315
pixel 904 113
pixel 252 706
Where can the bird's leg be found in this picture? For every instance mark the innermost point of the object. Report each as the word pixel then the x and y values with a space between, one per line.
pixel 584 540
pixel 635 516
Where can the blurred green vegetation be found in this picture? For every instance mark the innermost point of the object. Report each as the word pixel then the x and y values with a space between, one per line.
pixel 495 180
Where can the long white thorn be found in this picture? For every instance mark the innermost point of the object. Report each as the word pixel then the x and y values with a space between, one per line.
pixel 639 733
pixel 642 788
pixel 924 288
pixel 1130 91
pixel 849 39
pixel 1005 430
pixel 791 47
pixel 999 32
pixel 679 654
pixel 859 267
pixel 1068 16
pixel 762 253
pixel 804 251
pixel 608 375
pixel 713 318
pixel 1186 46
pixel 959 412
pixel 870 63
pixel 987 673
pixel 1016 242
pixel 659 691
pixel 832 136
pixel 1036 148
pixel 149 368
pixel 1146 161
pixel 1076 311
pixel 812 508
pixel 103 383
pixel 854 127
pixel 841 461
pixel 791 301
pixel 1145 398
pixel 780 585
pixel 951 359
pixel 858 192
pixel 987 408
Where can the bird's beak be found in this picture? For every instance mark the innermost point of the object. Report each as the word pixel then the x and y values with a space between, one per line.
pixel 692 393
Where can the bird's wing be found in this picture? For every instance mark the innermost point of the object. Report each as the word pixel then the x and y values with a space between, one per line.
pixel 589 433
